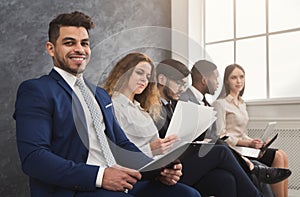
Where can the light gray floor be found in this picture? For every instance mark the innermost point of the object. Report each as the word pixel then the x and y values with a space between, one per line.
pixel 294 193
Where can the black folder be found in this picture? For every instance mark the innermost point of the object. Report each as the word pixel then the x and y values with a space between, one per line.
pixel 153 169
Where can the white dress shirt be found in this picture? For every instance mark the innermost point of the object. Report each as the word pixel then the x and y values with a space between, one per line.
pixel 95 156
pixel 199 96
pixel 136 123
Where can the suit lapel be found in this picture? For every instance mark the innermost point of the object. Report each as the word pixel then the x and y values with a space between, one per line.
pixel 58 78
pixel 77 110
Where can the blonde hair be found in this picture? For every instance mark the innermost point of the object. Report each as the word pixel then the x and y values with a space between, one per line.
pixel 120 74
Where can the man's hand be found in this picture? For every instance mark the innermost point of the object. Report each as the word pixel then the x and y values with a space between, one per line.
pixel 162 146
pixel 170 176
pixel 118 178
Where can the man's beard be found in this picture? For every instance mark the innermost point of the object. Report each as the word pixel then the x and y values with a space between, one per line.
pixel 62 65
pixel 168 93
pixel 210 89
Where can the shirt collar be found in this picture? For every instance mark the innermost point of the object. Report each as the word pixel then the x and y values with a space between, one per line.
pixel 124 100
pixel 69 78
pixel 230 98
pixel 164 101
pixel 197 93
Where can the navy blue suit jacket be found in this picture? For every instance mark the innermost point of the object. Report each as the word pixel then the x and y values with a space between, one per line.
pixel 51 132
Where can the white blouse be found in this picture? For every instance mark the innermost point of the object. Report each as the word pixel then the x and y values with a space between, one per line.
pixel 232 119
pixel 136 123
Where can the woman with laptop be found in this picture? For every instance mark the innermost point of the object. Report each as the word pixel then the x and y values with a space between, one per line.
pixel 232 120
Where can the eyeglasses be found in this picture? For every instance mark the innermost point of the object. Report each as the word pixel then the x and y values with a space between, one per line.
pixel 179 83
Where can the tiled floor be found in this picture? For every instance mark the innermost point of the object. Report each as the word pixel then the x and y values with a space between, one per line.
pixel 294 193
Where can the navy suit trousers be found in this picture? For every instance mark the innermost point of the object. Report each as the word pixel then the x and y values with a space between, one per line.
pixel 146 189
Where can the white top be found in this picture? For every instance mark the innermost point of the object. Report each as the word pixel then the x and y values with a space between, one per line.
pixel 232 119
pixel 136 123
pixel 96 156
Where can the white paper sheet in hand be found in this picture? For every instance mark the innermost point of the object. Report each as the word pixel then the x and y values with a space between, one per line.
pixel 190 120
pixel 206 118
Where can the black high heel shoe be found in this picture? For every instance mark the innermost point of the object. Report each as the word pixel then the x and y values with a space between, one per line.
pixel 270 175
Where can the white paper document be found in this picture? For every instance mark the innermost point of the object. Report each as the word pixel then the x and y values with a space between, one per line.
pixel 190 120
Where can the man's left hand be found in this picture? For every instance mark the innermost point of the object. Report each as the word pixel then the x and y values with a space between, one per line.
pixel 170 176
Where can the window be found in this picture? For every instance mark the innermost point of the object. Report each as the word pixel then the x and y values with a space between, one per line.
pixel 263 36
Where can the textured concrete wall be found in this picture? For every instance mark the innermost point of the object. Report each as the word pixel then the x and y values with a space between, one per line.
pixel 122 26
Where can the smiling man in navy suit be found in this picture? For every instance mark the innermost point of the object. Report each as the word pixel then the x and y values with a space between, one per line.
pixel 57 142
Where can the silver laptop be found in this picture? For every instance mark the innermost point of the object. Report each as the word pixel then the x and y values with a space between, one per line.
pixel 266 137
pixel 268 131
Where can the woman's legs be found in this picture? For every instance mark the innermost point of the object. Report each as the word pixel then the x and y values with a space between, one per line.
pixel 280 161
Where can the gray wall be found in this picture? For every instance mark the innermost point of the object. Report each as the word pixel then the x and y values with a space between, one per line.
pixel 121 27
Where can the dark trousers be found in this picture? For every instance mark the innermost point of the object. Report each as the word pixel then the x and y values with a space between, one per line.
pixel 216 172
pixel 146 189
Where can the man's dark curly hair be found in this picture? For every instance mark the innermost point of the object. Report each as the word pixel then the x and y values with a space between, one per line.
pixel 76 19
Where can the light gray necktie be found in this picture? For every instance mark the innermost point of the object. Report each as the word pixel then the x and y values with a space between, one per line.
pixel 98 123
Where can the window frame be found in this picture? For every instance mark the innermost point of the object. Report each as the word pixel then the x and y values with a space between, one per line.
pixel 267 34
